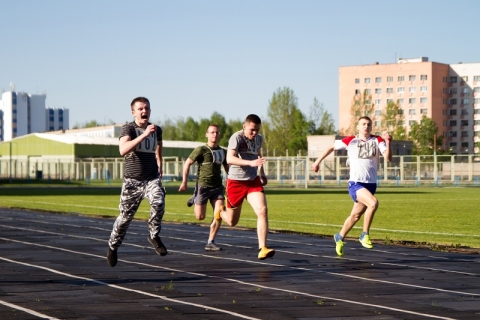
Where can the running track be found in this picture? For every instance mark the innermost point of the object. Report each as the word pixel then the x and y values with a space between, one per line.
pixel 53 266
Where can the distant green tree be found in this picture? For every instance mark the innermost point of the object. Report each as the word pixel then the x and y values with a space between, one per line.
pixel 393 121
pixel 286 124
pixel 169 129
pixel 423 136
pixel 191 130
pixel 361 106
pixel 320 121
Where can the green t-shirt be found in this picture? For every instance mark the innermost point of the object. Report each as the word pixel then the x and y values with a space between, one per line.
pixel 209 162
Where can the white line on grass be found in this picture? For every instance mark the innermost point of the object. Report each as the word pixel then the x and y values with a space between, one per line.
pixel 256 285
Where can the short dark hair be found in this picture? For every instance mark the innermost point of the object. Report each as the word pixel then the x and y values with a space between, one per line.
pixel 253 118
pixel 213 125
pixel 365 118
pixel 140 99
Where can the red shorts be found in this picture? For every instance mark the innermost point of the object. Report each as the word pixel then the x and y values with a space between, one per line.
pixel 237 190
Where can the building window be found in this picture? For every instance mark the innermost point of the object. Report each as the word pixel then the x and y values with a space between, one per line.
pixel 401 78
pixel 452 134
pixel 357 91
pixel 411 111
pixel 465 79
pixel 378 79
pixel 411 122
pixel 452 90
pixel 378 123
pixel 389 90
pixel 423 111
pixel 453 101
pixel 464 134
pixel 412 89
pixel 389 101
pixel 453 144
pixel 378 113
pixel 389 79
pixel 476 89
pixel 466 90
pixel 411 78
pixel 423 77
pixel 367 91
pixel 465 101
pixel 453 112
pixel 477 100
pixel 452 123
pixel 464 112
pixel 465 145
pixel 366 80
pixel 400 89
pixel 476 78
pixel 453 80
pixel 411 100
pixel 400 111
pixel 400 101
pixel 378 102
pixel 464 123
pixel 357 80
pixel 423 100
pixel 423 89
pixel 378 90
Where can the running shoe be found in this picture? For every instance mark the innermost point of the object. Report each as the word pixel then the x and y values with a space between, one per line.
pixel 265 253
pixel 158 245
pixel 365 241
pixel 190 201
pixel 339 244
pixel 112 257
pixel 211 246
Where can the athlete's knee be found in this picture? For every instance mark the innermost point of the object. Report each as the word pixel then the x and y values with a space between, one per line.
pixel 262 212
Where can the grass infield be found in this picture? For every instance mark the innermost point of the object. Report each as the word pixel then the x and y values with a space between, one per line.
pixel 443 218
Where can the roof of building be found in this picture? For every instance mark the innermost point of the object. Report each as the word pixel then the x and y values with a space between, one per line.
pixel 76 139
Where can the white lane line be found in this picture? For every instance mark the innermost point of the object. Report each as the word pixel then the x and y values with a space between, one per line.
pixel 256 285
pixel 296 252
pixel 29 311
pixel 255 262
pixel 68 275
pixel 272 221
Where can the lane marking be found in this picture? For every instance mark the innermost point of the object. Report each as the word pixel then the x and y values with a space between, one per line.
pixel 29 311
pixel 256 285
pixel 68 275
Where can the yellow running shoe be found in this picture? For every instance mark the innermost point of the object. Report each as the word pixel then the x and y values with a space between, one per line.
pixel 339 244
pixel 365 241
pixel 265 253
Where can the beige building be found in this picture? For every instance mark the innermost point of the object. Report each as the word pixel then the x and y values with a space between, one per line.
pixel 448 94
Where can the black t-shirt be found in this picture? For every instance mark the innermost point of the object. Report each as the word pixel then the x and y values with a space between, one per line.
pixel 140 163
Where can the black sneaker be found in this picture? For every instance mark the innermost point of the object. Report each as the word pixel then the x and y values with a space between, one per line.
pixel 112 257
pixel 158 245
pixel 190 201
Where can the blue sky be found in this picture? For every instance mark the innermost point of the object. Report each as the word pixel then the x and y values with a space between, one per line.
pixel 192 58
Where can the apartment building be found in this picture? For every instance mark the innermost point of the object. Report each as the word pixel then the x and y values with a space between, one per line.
pixel 22 113
pixel 448 94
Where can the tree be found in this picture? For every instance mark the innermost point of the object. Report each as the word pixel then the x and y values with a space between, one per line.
pixel 286 127
pixel 423 135
pixel 320 121
pixel 361 106
pixel 191 130
pixel 393 121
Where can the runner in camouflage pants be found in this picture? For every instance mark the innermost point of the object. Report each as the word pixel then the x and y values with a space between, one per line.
pixel 133 191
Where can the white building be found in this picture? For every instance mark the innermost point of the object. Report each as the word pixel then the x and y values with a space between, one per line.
pixel 22 113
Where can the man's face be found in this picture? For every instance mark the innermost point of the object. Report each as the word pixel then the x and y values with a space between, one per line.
pixel 250 130
pixel 213 134
pixel 141 113
pixel 364 127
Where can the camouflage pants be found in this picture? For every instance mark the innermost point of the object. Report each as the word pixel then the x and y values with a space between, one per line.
pixel 133 192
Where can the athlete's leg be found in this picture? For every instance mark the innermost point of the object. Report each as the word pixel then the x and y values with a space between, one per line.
pixel 200 211
pixel 231 216
pixel 357 211
pixel 130 198
pixel 217 205
pixel 371 205
pixel 259 204
pixel 155 194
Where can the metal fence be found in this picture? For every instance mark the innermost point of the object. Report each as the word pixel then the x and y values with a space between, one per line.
pixel 295 171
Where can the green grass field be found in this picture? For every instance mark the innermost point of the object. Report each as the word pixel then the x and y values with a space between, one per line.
pixel 439 217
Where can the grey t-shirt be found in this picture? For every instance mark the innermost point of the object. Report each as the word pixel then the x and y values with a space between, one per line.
pixel 247 150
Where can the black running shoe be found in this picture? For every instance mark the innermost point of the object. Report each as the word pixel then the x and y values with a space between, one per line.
pixel 190 201
pixel 112 257
pixel 158 245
